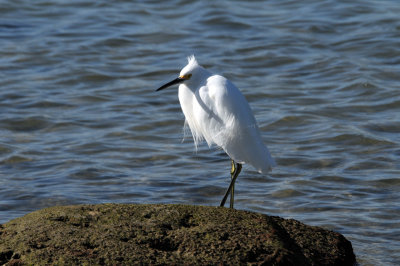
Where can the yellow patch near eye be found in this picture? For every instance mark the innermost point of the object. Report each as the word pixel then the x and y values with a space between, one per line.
pixel 187 76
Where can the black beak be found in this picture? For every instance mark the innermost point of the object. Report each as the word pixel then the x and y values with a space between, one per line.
pixel 175 81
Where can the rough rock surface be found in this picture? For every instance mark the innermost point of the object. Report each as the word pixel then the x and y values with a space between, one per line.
pixel 121 234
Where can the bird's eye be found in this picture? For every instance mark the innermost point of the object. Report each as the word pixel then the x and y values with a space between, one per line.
pixel 187 76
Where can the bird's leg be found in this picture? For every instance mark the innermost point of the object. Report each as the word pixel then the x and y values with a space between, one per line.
pixel 230 185
pixel 235 170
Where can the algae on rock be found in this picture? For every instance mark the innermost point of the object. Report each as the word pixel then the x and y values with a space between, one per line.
pixel 166 234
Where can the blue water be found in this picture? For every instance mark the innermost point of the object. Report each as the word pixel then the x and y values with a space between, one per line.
pixel 80 121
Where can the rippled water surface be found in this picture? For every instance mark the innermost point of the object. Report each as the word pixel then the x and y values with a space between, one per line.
pixel 80 121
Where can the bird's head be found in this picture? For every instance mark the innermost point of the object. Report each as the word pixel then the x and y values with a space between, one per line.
pixel 190 73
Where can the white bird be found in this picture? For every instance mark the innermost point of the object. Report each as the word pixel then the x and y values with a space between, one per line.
pixel 216 111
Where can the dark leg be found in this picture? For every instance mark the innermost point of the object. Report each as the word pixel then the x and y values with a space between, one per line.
pixel 233 186
pixel 235 171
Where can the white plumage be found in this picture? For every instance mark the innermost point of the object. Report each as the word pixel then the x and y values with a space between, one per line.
pixel 215 110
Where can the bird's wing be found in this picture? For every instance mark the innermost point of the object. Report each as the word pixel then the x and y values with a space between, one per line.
pixel 229 122
pixel 220 109
pixel 205 119
pixel 229 102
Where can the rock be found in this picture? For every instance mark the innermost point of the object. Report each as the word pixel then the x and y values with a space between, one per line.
pixel 166 234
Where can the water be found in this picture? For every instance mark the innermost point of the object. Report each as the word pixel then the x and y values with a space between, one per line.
pixel 80 121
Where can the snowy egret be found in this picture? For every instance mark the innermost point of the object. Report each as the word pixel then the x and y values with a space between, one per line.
pixel 216 111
